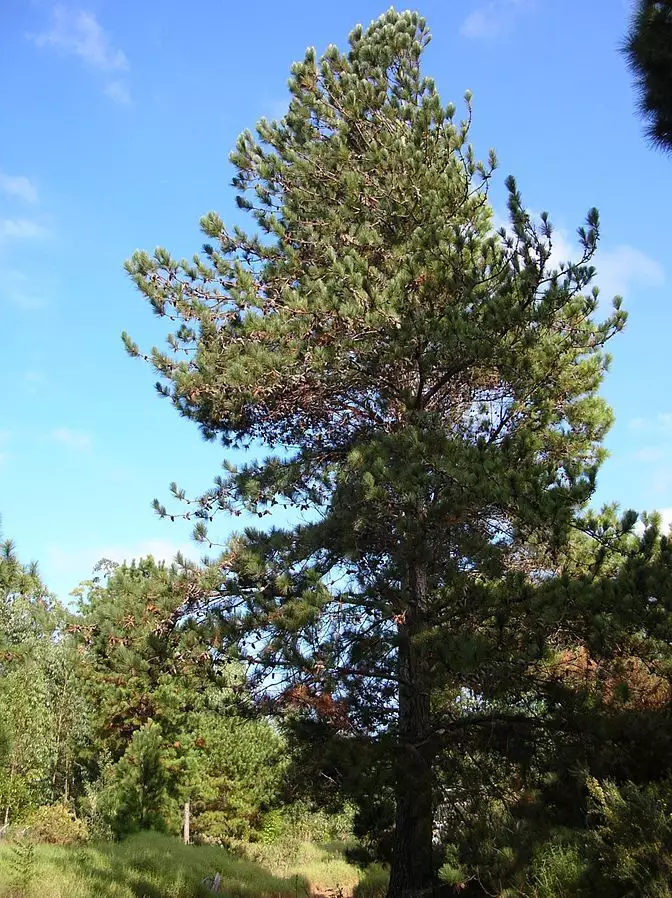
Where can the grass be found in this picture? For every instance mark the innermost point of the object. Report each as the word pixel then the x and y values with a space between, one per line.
pixel 323 867
pixel 150 865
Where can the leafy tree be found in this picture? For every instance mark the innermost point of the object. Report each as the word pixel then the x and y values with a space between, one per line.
pixel 429 388
pixel 41 712
pixel 648 50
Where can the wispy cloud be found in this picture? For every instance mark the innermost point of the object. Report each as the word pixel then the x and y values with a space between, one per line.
pixel 78 564
pixel 16 288
pixel 666 521
pixel 492 19
pixel 624 267
pixel 619 271
pixel 21 229
pixel 666 515
pixel 78 33
pixel 77 440
pixel 18 186
pixel 660 423
pixel 649 454
pixel 118 92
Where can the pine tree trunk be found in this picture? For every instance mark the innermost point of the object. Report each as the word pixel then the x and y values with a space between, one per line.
pixel 412 872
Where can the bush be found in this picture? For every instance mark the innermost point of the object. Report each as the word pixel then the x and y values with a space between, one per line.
pixel 558 870
pixel 56 825
pixel 630 841
pixel 373 883
pixel 273 826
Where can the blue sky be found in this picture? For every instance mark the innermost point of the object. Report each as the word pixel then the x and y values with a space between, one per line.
pixel 117 118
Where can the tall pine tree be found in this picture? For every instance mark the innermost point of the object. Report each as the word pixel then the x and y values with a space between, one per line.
pixel 427 384
pixel 648 50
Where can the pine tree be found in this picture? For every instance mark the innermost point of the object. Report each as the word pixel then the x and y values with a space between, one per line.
pixel 648 50
pixel 162 707
pixel 428 387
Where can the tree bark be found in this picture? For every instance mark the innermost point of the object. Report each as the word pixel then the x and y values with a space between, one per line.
pixel 187 823
pixel 412 872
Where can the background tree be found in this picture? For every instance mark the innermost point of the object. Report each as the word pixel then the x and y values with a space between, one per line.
pixel 41 712
pixel 648 50
pixel 166 729
pixel 429 387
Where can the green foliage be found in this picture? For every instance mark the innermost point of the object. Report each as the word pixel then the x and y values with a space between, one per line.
pixel 148 865
pixel 648 49
pixel 167 726
pixel 631 839
pixel 240 764
pixel 429 388
pixel 21 868
pixel 57 825
pixel 323 866
pixel 373 883
pixel 43 720
pixel 451 872
pixel 559 869
pixel 140 784
pixel 272 827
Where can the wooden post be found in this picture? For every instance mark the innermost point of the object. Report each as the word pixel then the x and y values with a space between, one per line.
pixel 187 821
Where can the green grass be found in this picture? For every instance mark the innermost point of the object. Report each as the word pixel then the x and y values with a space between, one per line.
pixel 154 866
pixel 324 866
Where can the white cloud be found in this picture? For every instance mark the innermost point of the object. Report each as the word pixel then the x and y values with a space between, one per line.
pixel 18 186
pixel 650 454
pixel 118 92
pixel 72 439
pixel 660 423
pixel 666 521
pixel 618 270
pixel 491 19
pixel 79 33
pixel 666 515
pixel 624 267
pixel 79 563
pixel 21 229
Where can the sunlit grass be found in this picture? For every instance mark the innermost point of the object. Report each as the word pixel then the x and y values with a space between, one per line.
pixel 150 865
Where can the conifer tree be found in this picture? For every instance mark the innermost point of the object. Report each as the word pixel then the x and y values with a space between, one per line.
pixel 648 50
pixel 427 387
pixel 162 709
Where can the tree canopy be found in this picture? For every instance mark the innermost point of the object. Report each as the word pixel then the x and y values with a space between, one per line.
pixel 648 50
pixel 428 385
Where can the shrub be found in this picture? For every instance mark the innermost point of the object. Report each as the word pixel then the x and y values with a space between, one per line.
pixel 558 870
pixel 630 841
pixel 56 825
pixel 373 883
pixel 273 826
